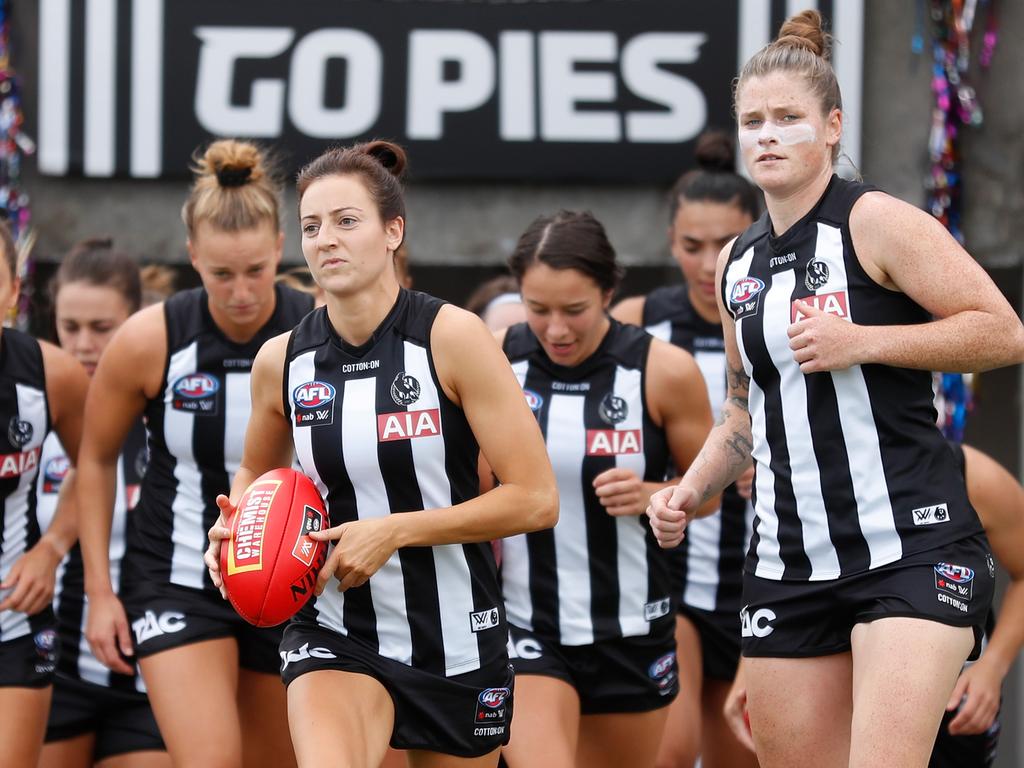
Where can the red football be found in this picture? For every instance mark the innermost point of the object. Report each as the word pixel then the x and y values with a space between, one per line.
pixel 270 564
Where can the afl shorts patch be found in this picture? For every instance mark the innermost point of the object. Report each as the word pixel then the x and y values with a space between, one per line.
pixel 166 616
pixel 30 661
pixel 631 674
pixel 466 715
pixel 719 633
pixel 950 585
pixel 122 720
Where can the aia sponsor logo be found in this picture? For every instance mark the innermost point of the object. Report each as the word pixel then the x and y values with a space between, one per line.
pixel 956 580
pixel 245 547
pixel 196 393
pixel 745 297
pixel 614 442
pixel 314 404
pixel 407 425
pixel 535 401
pixel 831 303
pixel 492 706
pixel 305 547
pixel 54 472
pixel 17 464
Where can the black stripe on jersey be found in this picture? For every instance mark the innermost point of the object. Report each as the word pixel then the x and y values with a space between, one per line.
pixel 541 544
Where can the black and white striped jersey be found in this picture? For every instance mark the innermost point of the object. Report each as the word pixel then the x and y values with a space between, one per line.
pixel 196 434
pixel 710 559
pixel 593 577
pixel 24 424
pixel 375 431
pixel 852 472
pixel 69 600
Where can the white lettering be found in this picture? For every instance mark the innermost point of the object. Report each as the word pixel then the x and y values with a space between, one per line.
pixel 561 87
pixel 687 108
pixel 430 95
pixel 304 652
pixel 527 648
pixel 757 625
pixel 151 625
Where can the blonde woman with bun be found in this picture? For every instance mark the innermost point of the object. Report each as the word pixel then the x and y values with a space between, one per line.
pixel 869 576
pixel 185 365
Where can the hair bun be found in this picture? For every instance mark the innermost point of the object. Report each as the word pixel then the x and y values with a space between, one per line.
pixel 230 176
pixel 388 154
pixel 233 163
pixel 806 30
pixel 715 152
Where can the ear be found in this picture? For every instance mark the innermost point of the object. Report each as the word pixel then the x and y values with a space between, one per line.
pixel 192 254
pixel 606 299
pixel 834 127
pixel 279 248
pixel 395 231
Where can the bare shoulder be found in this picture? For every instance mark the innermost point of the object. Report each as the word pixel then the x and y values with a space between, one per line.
pixel 630 310
pixel 60 367
pixel 456 326
pixel 273 351
pixel 672 368
pixel 144 333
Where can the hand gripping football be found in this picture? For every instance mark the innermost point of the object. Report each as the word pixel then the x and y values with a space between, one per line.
pixel 270 564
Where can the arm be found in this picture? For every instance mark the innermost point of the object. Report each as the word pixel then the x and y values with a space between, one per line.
pixel 129 373
pixel 475 376
pixel 677 399
pixel 630 310
pixel 904 249
pixel 726 452
pixel 999 500
pixel 31 580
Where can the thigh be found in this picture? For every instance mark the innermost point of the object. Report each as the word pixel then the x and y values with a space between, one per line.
pixel 23 724
pixel 263 706
pixel 144 759
pixel 630 738
pixel 680 743
pixel 800 710
pixel 718 746
pixel 73 752
pixel 339 718
pixel 421 759
pixel 904 670
pixel 192 689
pixel 545 723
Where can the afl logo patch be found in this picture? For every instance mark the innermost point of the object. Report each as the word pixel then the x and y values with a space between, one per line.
pixel 613 409
pixel 817 274
pixel 535 401
pixel 314 404
pixel 405 390
pixel 196 393
pixel 745 297
pixel 54 472
pixel 19 432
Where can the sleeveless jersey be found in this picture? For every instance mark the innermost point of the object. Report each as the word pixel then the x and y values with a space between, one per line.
pixel 69 600
pixel 24 424
pixel 196 435
pixel 710 559
pixel 852 472
pixel 593 577
pixel 375 431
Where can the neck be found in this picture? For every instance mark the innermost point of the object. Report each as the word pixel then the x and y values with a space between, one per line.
pixel 787 207
pixel 240 333
pixel 707 313
pixel 356 316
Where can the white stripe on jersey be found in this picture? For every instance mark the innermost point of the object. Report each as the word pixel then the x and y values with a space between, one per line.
pixel 188 537
pixel 565 419
pixel 803 463
pixel 330 612
pixel 712 366
pixel 877 523
pixel 31 408
pixel 662 330
pixel 631 537
pixel 454 582
pixel 237 407
pixel 704 536
pixel 515 558
pixel 359 452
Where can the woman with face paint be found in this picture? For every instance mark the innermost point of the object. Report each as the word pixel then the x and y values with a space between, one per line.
pixel 709 206
pixel 867 578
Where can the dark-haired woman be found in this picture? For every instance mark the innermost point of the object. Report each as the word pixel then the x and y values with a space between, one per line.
pixel 96 716
pixel 836 305
pixel 405 641
pixel 185 364
pixel 709 206
pixel 590 605
pixel 41 388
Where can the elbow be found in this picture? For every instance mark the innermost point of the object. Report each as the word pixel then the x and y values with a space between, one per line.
pixel 543 507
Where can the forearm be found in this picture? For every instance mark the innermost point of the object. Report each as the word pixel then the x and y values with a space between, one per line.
pixel 1008 637
pixel 965 342
pixel 63 530
pixel 708 506
pixel 505 511
pixel 96 487
pixel 724 457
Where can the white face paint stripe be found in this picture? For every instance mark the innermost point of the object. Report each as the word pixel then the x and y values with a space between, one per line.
pixel 783 135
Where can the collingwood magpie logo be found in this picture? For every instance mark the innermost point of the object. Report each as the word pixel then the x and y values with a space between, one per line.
pixel 405 390
pixel 613 409
pixel 817 274
pixel 19 432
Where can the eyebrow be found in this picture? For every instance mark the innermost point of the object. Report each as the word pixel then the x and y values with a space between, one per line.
pixel 336 211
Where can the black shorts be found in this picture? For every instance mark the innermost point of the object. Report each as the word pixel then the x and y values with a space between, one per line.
pixel 29 661
pixel 975 751
pixel 166 616
pixel 719 633
pixel 951 585
pixel 465 715
pixel 629 674
pixel 122 720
